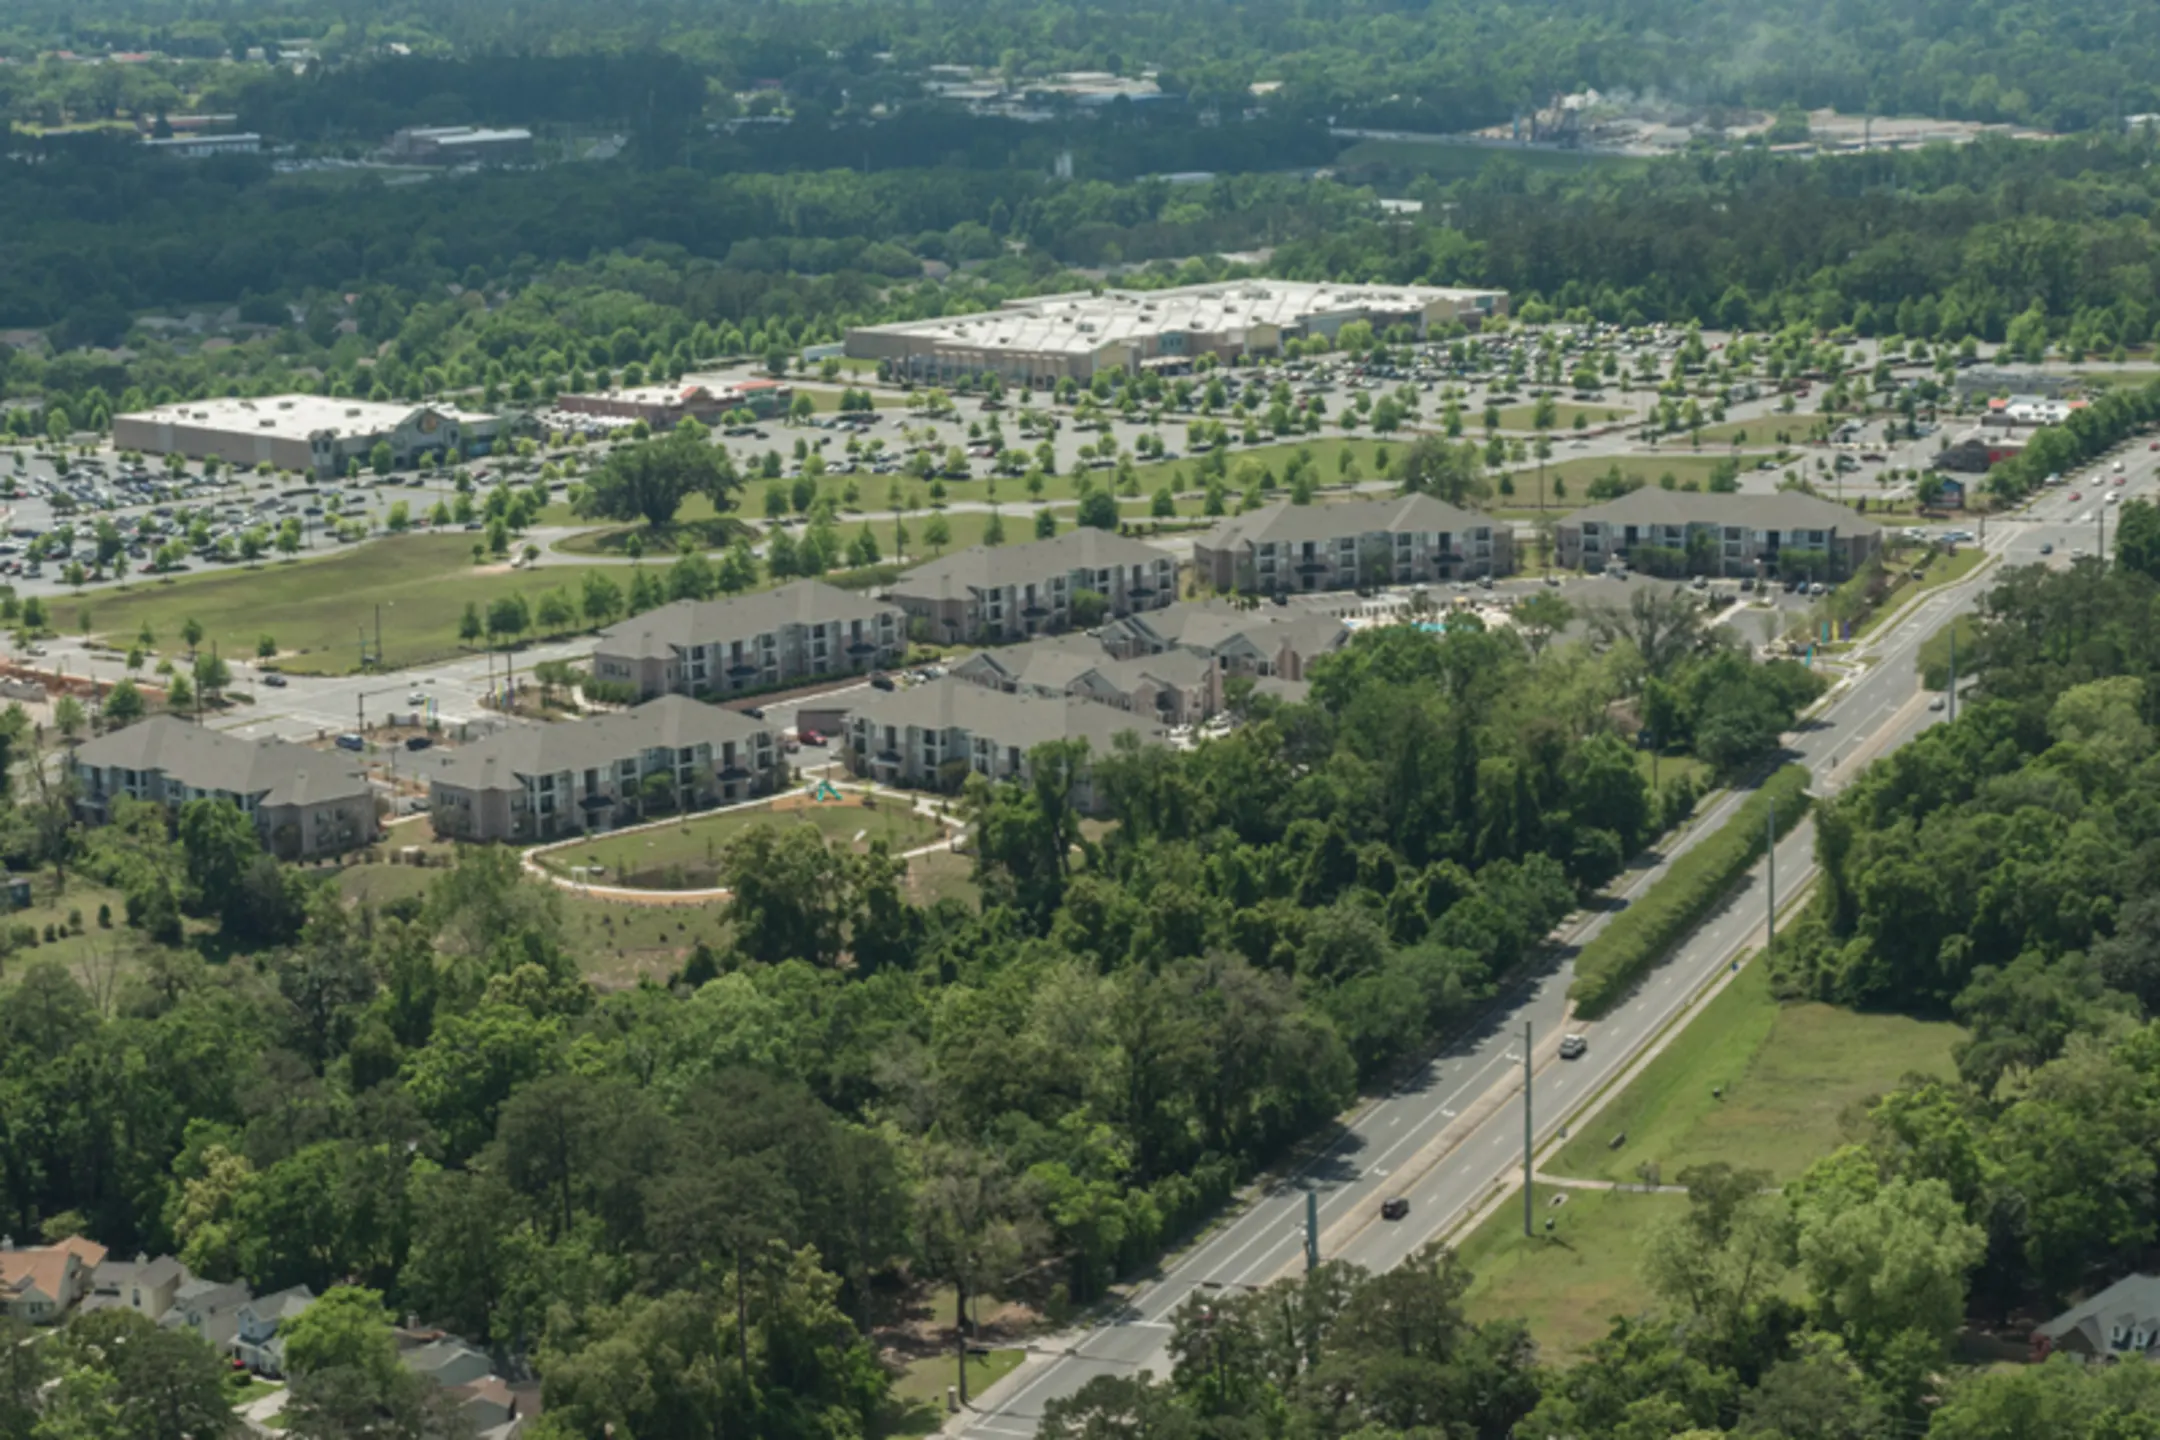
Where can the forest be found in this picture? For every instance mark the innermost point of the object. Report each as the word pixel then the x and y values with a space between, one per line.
pixel 1435 65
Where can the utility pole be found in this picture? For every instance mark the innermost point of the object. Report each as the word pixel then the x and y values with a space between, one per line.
pixel 1953 668
pixel 1529 1200
pixel 1771 837
pixel 1312 1231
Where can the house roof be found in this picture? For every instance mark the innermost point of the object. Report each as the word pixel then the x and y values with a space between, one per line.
pixel 1207 626
pixel 992 567
pixel 685 623
pixel 1287 523
pixel 281 1304
pixel 44 1269
pixel 674 722
pixel 2130 1305
pixel 1785 510
pixel 1020 721
pixel 142 1270
pixel 279 772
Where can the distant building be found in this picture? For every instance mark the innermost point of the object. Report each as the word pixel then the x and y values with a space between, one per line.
pixel 1411 540
pixel 1268 642
pixel 1052 337
pixel 1006 592
pixel 1978 450
pixel 799 632
pixel 662 407
pixel 196 147
pixel 2011 411
pixel 1176 687
pixel 761 397
pixel 461 145
pixel 1978 380
pixel 40 1284
pixel 304 802
pixel 544 782
pixel 933 735
pixel 1736 535
pixel 308 434
pixel 2120 1322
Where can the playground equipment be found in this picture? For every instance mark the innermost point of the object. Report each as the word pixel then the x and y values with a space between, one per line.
pixel 824 792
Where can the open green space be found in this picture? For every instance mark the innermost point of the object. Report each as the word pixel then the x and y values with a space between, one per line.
pixel 1524 417
pixel 1569 1284
pixel 918 1395
pixel 65 923
pixel 1939 570
pixel 1789 1073
pixel 317 610
pixel 1764 432
pixel 686 854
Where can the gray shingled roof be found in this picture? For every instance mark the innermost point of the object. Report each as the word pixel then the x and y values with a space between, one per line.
pixel 1023 721
pixel 990 567
pixel 1285 523
pixel 1785 510
pixel 279 772
pixel 685 623
pixel 674 721
pixel 1207 625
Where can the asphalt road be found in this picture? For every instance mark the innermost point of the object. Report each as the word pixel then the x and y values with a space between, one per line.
pixel 1451 1137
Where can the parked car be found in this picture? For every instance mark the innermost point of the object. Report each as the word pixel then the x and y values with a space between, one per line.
pixel 418 742
pixel 350 741
pixel 882 681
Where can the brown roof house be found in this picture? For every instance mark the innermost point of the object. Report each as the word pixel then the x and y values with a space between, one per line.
pixel 41 1284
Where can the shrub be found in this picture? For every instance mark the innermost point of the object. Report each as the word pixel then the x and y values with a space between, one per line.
pixel 1639 936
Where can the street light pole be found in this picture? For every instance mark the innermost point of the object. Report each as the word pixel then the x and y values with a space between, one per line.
pixel 1771 839
pixel 1529 1201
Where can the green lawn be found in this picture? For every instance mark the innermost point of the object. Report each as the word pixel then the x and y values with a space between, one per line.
pixel 685 855
pixel 1761 433
pixel 1790 1073
pixel 1569 1285
pixel 317 610
pixel 919 1393
pixel 99 948
pixel 1941 570
pixel 1524 417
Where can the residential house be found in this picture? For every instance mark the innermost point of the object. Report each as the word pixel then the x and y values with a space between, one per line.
pixel 988 593
pixel 2122 1320
pixel 1176 687
pixel 259 1341
pixel 934 734
pixel 304 802
pixel 1278 641
pixel 801 632
pixel 40 1284
pixel 490 1404
pixel 1680 531
pixel 143 1285
pixel 208 1308
pixel 546 782
pixel 1352 544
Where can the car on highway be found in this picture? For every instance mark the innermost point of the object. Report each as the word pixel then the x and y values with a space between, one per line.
pixel 1572 1047
pixel 1936 703
pixel 2077 494
pixel 1394 1209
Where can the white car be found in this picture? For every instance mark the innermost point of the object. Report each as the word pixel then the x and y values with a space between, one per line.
pixel 1572 1047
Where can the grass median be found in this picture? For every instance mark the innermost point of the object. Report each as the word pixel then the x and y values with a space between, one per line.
pixel 1695 884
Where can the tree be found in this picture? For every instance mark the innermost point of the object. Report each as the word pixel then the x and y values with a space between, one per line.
pixel 124 703
pixel 937 534
pixel 1045 523
pixel 1540 617
pixel 1882 1259
pixel 346 1379
pixel 2137 538
pixel 179 695
pixel 1453 473
pixel 163 1384
pixel 650 480
pixel 191 631
pixel 1098 510
pixel 380 459
pixel 975 1231
pixel 599 600
pixel 792 894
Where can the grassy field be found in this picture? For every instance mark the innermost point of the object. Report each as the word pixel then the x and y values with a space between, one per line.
pixel 689 851
pixel 1789 1072
pixel 1569 1285
pixel 1941 570
pixel 1524 417
pixel 94 950
pixel 1762 432
pixel 919 1393
pixel 317 609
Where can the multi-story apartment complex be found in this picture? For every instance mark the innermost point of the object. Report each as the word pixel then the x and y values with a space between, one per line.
pixel 933 735
pixel 547 782
pixel 1175 687
pixel 989 593
pixel 1411 540
pixel 1704 534
pixel 304 802
pixel 802 631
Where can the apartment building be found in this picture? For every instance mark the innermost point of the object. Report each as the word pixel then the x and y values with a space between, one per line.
pixel 933 735
pixel 304 802
pixel 1410 540
pixel 550 782
pixel 1266 642
pixel 1733 535
pixel 800 632
pixel 989 593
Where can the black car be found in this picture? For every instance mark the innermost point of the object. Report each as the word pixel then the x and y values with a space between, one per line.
pixel 1394 1209
pixel 882 682
pixel 418 742
pixel 274 680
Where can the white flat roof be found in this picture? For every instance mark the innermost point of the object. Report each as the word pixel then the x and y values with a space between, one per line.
pixel 294 416
pixel 1080 323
